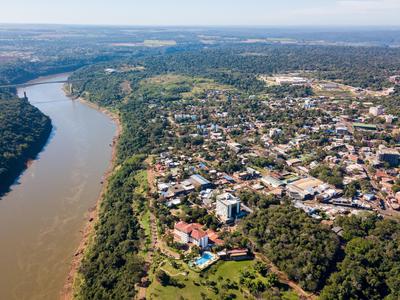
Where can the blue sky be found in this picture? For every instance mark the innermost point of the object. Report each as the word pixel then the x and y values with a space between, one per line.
pixel 203 12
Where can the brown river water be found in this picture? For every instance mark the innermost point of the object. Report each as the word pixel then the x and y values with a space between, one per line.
pixel 43 214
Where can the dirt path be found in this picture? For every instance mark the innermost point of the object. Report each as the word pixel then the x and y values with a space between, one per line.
pixel 153 227
pixel 156 243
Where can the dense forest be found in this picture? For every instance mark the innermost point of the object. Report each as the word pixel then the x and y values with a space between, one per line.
pixel 118 237
pixel 19 72
pixel 309 253
pixel 357 66
pixel 112 266
pixel 297 244
pixel 23 132
pixel 371 267
pixel 239 66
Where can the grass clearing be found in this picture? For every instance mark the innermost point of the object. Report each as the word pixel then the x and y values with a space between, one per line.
pixel 199 285
pixel 143 185
pixel 289 295
pixel 145 222
pixel 159 43
pixel 181 87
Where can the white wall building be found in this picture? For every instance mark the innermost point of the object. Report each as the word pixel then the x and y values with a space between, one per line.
pixel 228 206
pixel 191 233
pixel 376 111
pixel 291 80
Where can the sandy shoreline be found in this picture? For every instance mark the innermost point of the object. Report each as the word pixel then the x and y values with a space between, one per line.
pixel 92 215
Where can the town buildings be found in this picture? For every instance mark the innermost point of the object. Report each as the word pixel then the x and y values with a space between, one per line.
pixel 274 149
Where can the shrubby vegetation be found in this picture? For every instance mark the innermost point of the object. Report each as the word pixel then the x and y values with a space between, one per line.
pixel 332 176
pixel 393 102
pixel 282 91
pixel 23 132
pixel 351 189
pixel 257 200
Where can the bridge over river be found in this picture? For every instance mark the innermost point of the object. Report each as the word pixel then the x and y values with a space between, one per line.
pixel 32 83
pixel 45 81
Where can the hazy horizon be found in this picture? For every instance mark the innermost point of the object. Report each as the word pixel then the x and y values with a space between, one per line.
pixel 211 26
pixel 234 13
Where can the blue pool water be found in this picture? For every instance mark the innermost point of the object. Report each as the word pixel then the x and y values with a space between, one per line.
pixel 204 259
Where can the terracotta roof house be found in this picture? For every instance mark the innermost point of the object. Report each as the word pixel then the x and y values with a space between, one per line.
pixel 191 233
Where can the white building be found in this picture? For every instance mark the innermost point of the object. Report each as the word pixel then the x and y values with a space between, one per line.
pixel 376 111
pixel 228 206
pixel 191 233
pixel 236 147
pixel 291 80
pixel 341 129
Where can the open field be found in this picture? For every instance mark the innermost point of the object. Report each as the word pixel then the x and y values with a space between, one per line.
pixel 143 186
pixel 147 43
pixel 183 86
pixel 200 285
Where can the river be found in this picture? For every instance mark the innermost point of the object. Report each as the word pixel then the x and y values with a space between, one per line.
pixel 42 217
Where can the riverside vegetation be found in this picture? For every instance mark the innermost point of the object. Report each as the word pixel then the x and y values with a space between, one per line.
pixel 24 131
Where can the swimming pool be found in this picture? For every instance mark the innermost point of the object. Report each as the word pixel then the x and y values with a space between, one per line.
pixel 205 258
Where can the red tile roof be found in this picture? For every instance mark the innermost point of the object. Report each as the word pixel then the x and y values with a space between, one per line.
pixel 213 237
pixel 198 234
pixel 183 226
pixel 193 229
pixel 379 174
pixel 196 226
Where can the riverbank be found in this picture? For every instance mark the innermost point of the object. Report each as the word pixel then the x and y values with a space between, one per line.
pixel 92 216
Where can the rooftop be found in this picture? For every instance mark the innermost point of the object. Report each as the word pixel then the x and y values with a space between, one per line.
pixel 228 199
pixel 199 179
